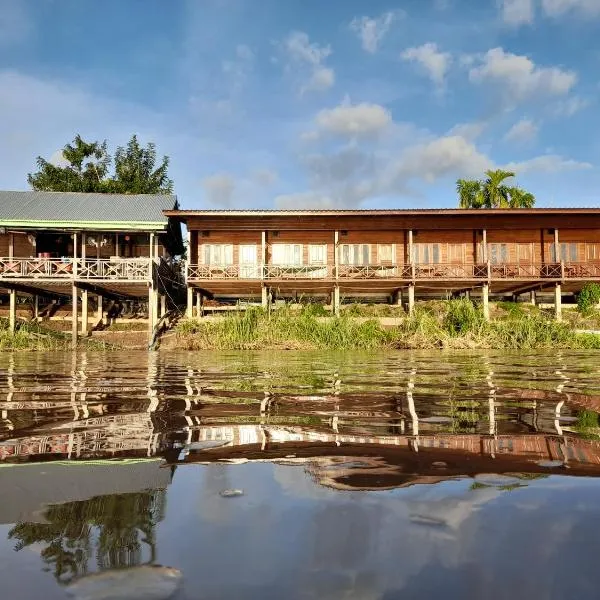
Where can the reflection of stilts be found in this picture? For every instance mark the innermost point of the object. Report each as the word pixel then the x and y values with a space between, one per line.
pixel 10 383
pixel 411 409
pixel 337 385
pixel 152 379
pixel 559 388
pixel 265 407
pixel 493 429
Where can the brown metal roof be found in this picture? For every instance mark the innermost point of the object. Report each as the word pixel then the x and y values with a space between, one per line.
pixel 380 212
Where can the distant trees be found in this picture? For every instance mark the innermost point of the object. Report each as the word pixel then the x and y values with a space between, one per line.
pixel 492 192
pixel 86 168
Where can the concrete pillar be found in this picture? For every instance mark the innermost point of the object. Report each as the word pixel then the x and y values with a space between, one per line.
pixel 265 296
pixel 155 315
pixel 13 310
pixel 74 316
pixel 485 300
pixel 150 311
pixel 36 307
pixel 558 302
pixel 190 303
pixel 398 297
pixel 467 295
pixel 100 313
pixel 532 298
pixel 336 300
pixel 411 298
pixel 84 312
pixel 163 305
pixel 198 304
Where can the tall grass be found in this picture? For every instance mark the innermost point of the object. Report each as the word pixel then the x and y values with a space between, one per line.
pixel 442 324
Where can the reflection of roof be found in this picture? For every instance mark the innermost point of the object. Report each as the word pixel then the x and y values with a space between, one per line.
pixel 63 208
pixel 26 489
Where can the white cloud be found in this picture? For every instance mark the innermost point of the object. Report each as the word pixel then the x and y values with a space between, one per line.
pixel 372 31
pixel 304 200
pixel 547 163
pixel 519 77
pixel 523 131
pixel 435 63
pixel 308 59
pixel 265 177
pixel 219 189
pixel 469 131
pixel 238 70
pixel 557 8
pixel 518 12
pixel 448 155
pixel 354 120
pixel 570 106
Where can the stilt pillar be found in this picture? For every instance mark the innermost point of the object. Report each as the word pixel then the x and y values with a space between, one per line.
pixel 84 312
pixel 265 297
pixel 198 304
pixel 398 298
pixel 163 305
pixel 150 311
pixel 532 298
pixel 558 302
pixel 155 306
pixel 100 312
pixel 190 303
pixel 36 307
pixel 336 300
pixel 485 301
pixel 74 316
pixel 411 298
pixel 13 310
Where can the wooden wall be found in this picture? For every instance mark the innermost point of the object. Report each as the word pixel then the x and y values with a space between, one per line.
pixel 461 246
pixel 22 247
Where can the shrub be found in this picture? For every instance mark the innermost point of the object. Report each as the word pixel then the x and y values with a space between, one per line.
pixel 588 297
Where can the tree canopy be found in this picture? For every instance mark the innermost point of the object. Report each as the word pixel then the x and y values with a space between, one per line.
pixel 492 192
pixel 86 168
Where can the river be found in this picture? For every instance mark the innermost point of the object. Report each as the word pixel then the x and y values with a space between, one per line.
pixel 300 475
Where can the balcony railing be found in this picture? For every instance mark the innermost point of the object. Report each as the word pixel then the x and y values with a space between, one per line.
pixel 130 269
pixel 406 272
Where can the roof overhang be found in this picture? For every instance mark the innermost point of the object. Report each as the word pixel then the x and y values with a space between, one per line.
pixel 81 225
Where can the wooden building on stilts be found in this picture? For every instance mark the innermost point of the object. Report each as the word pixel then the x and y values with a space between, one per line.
pixel 88 249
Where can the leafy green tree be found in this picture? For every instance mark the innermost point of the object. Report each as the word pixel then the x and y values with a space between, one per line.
pixel 87 165
pixel 492 192
pixel 135 171
pixel 86 169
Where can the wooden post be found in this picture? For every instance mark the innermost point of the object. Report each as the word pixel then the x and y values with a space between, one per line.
pixel 163 305
pixel 558 302
pixel 336 253
pixel 411 298
pixel 485 293
pixel 336 300
pixel 557 256
pixel 532 298
pixel 484 248
pixel 265 296
pixel 11 245
pixel 100 312
pixel 74 316
pixel 75 255
pixel 84 312
pixel 190 303
pixel 410 246
pixel 117 244
pixel 398 298
pixel 154 307
pixel 83 242
pixel 263 253
pixel 150 311
pixel 151 248
pixel 36 307
pixel 13 310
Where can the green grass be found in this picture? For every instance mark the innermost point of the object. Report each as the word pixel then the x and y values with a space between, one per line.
pixel 440 324
pixel 32 336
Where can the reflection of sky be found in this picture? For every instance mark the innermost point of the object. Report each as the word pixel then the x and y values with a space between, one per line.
pixel 287 537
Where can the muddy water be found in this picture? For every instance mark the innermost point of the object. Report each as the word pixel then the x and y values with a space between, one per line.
pixel 297 475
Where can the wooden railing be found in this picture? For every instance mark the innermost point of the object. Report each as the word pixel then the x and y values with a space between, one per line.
pixel 130 269
pixel 406 272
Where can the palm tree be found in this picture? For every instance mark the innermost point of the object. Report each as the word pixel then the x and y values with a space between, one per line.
pixel 492 192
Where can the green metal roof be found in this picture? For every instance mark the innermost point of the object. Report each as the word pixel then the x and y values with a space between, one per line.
pixel 84 211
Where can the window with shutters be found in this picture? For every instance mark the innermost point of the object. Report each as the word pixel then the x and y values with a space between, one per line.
pixel 525 253
pixel 317 254
pixel 386 253
pixel 498 253
pixel 286 254
pixel 218 254
pixel 456 253
pixel 426 254
pixel 568 252
pixel 592 252
pixel 355 254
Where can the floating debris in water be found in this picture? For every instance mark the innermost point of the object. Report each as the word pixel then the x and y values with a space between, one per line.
pixel 550 464
pixel 231 493
pixel 496 480
pixel 144 583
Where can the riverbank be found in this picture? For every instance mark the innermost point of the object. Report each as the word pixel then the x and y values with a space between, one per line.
pixel 453 324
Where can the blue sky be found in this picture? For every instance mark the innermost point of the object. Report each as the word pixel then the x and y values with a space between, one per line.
pixel 307 103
